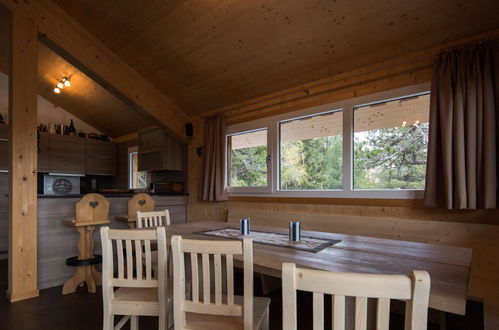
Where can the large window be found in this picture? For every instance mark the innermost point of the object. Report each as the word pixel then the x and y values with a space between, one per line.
pixel 390 143
pixel 311 152
pixel 369 147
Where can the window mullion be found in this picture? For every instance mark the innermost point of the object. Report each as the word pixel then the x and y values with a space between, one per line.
pixel 347 148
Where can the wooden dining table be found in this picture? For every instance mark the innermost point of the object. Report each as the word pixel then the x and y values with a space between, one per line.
pixel 448 266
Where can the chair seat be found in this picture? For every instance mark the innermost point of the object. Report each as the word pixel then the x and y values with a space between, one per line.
pixel 204 321
pixel 142 294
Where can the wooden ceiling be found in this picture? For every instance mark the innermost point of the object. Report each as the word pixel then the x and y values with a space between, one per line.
pixel 207 54
pixel 85 99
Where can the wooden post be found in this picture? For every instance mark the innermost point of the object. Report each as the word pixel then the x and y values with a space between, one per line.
pixel 23 160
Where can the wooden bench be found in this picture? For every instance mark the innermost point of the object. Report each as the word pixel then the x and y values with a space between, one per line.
pixel 483 239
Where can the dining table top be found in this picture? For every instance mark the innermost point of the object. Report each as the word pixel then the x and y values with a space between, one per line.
pixel 448 266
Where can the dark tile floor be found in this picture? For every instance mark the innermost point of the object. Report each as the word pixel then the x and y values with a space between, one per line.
pixel 83 310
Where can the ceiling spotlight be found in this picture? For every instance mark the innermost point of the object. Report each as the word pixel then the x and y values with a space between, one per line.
pixel 57 90
pixel 67 83
pixel 60 85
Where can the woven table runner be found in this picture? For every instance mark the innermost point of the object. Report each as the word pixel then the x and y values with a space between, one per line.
pixel 309 244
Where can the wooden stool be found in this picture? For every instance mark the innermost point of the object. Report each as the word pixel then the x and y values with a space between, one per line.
pixel 139 202
pixel 91 210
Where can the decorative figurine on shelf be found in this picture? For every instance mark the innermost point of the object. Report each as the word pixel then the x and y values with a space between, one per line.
pixel 71 129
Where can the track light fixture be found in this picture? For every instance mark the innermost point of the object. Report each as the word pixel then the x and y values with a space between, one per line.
pixel 65 82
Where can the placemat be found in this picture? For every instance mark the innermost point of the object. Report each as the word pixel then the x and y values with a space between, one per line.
pixel 307 243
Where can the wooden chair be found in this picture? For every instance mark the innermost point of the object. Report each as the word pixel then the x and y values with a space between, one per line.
pixel 138 293
pixel 91 210
pixel 153 219
pixel 414 289
pixel 139 202
pixel 216 311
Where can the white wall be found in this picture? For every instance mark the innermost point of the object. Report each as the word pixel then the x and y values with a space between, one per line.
pixel 47 111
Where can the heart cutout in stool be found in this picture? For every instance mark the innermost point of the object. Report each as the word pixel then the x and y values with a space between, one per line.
pixel 93 204
pixel 142 202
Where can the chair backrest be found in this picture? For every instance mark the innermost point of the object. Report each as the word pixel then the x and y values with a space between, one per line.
pixel 92 207
pixel 414 289
pixel 139 202
pixel 222 304
pixel 153 219
pixel 132 248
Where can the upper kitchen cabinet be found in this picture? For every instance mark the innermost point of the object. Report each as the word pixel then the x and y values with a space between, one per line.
pixel 4 155
pixel 100 157
pixel 157 151
pixel 67 154
pixel 43 152
pixel 4 148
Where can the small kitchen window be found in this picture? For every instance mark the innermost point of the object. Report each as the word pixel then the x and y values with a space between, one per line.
pixel 137 179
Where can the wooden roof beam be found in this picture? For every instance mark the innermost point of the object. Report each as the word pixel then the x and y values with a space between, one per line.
pixel 86 52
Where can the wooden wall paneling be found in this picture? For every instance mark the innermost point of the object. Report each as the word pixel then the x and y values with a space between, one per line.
pixel 23 148
pixel 176 205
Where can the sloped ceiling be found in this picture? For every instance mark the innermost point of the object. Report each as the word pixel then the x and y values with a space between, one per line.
pixel 207 54
pixel 85 99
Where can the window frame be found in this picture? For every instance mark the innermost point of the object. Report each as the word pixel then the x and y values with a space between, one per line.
pixel 248 128
pixel 131 151
pixel 347 107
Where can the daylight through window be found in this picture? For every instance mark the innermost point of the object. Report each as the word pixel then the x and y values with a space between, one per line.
pixel 248 159
pixel 390 144
pixel 311 152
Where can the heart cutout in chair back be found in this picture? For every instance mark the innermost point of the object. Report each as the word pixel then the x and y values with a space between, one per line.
pixel 142 202
pixel 93 204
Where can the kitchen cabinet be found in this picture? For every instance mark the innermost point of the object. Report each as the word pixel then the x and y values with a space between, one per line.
pixel 43 152
pixel 4 155
pixel 100 157
pixel 67 154
pixel 4 147
pixel 158 151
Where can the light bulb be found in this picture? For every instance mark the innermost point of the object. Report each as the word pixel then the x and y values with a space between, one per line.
pixel 57 90
pixel 60 85
pixel 404 123
pixel 416 122
pixel 67 83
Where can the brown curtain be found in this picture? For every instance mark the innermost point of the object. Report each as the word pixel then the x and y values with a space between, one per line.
pixel 462 169
pixel 214 159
